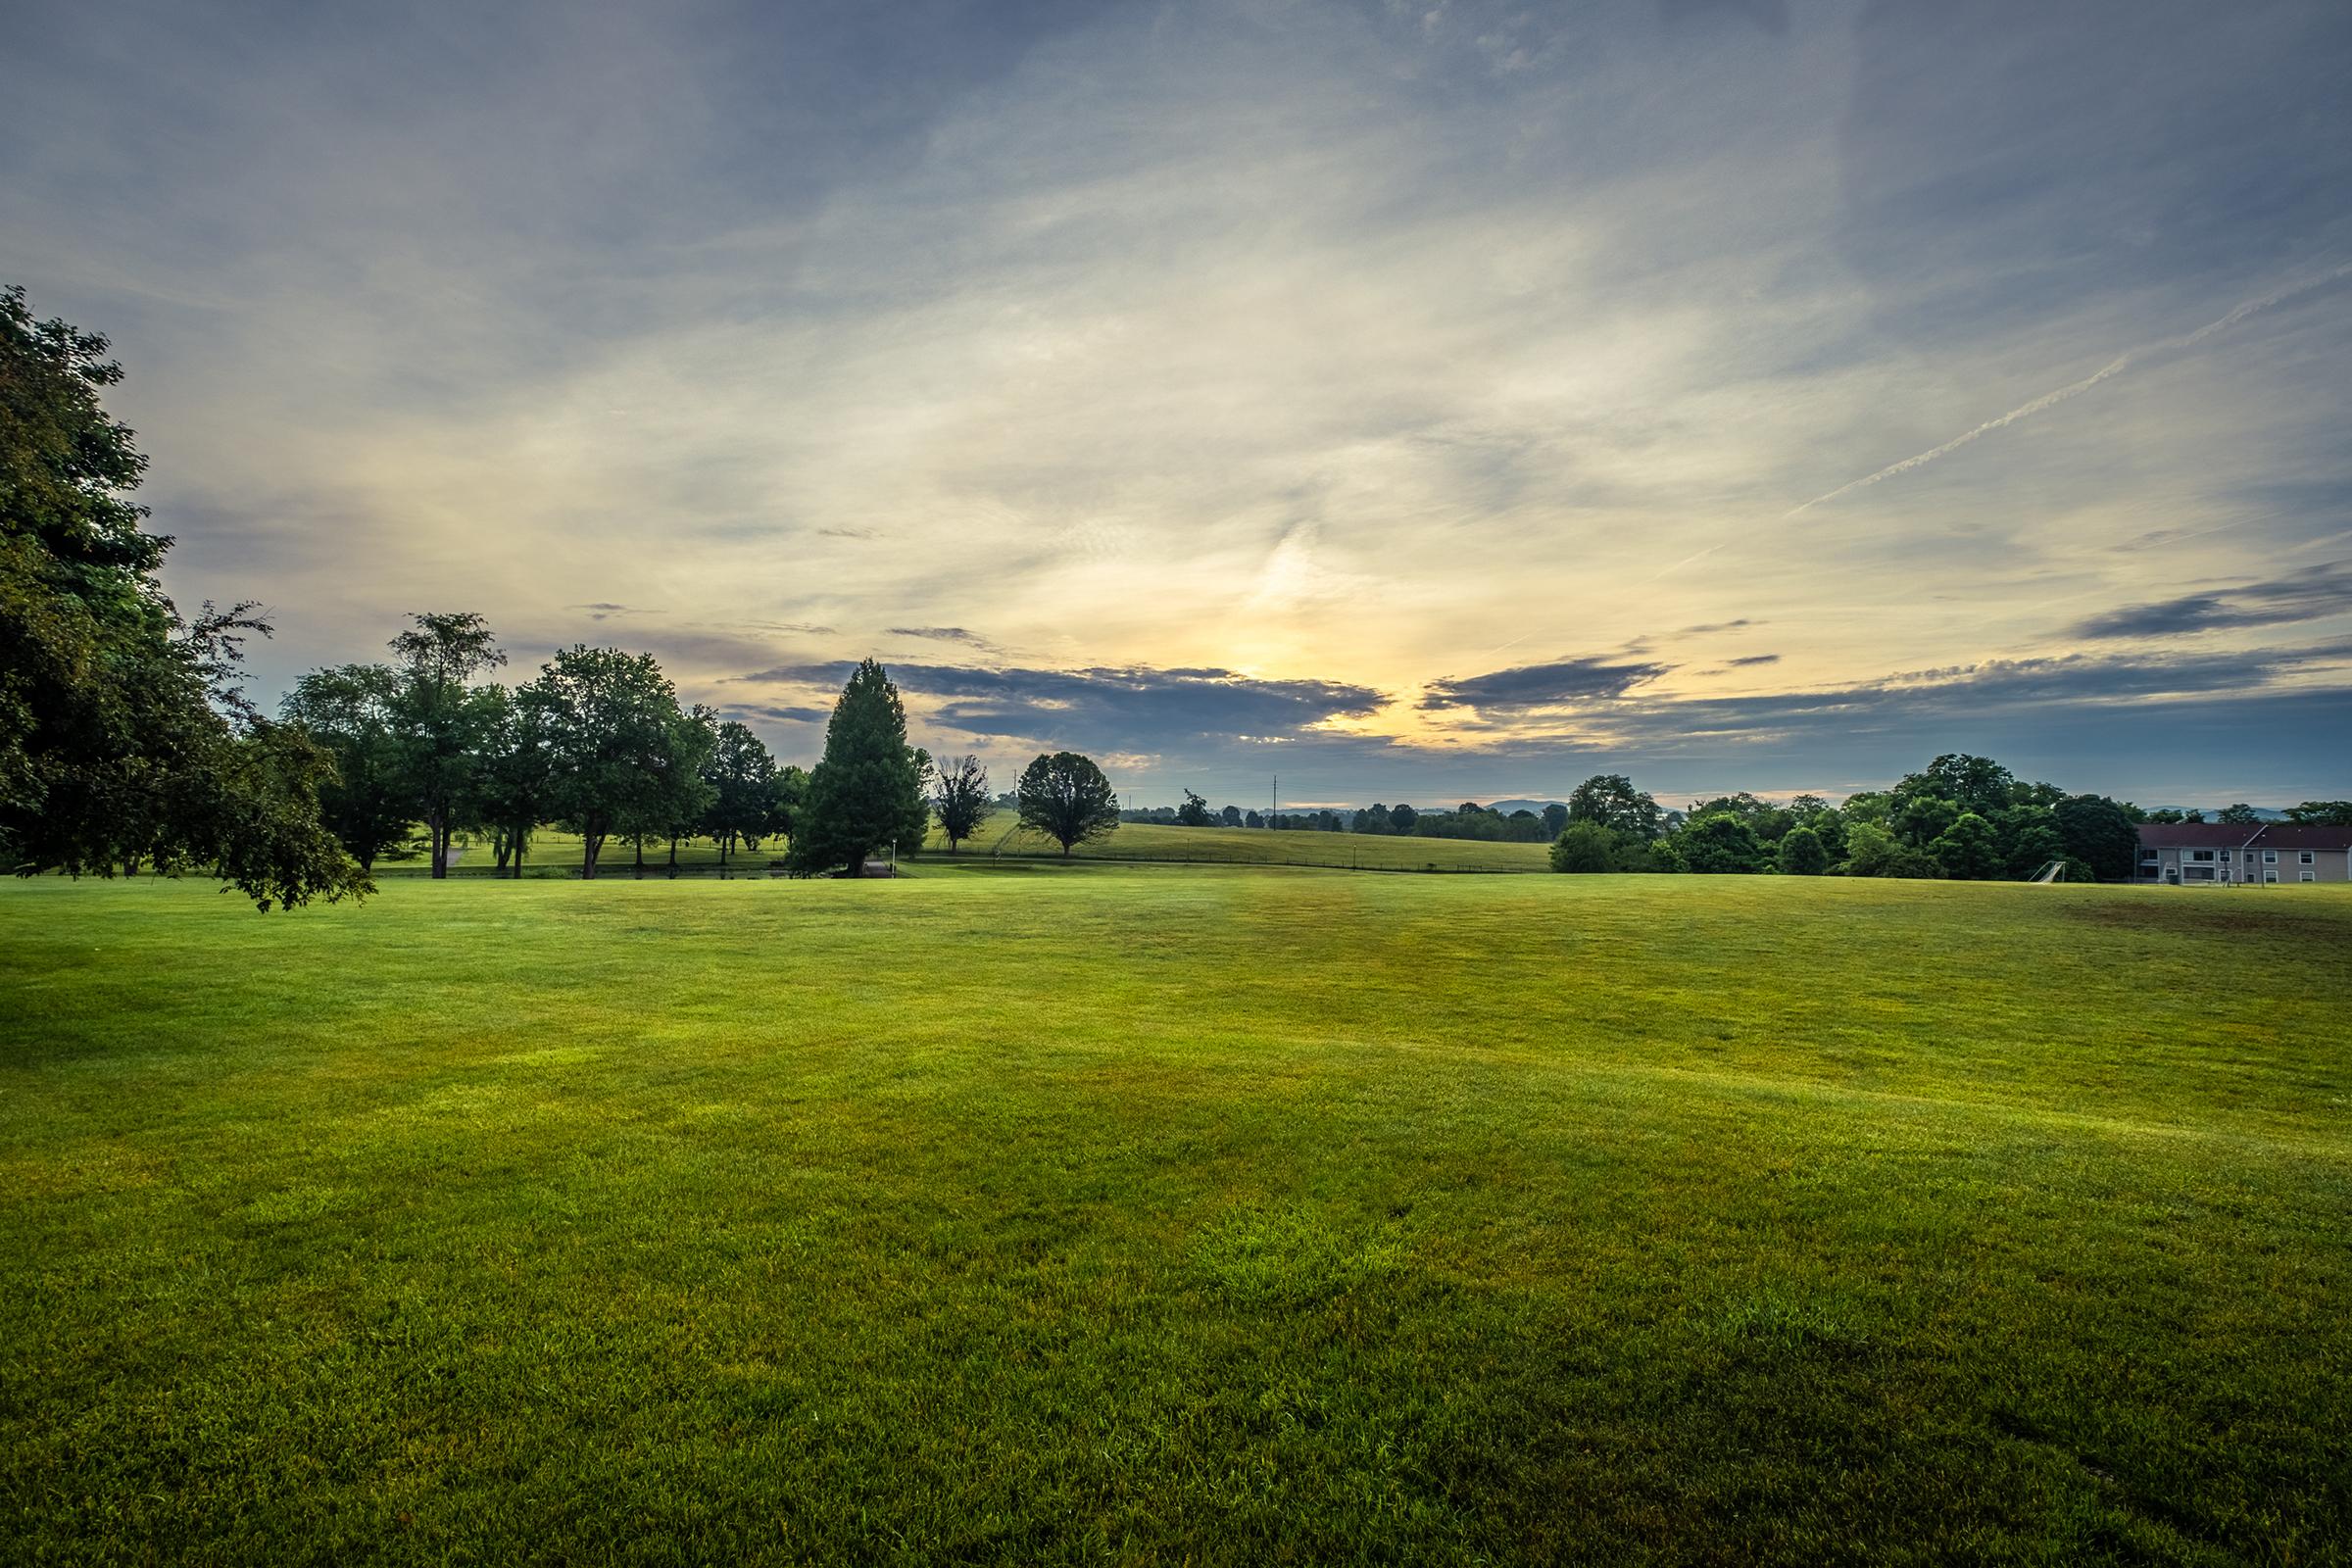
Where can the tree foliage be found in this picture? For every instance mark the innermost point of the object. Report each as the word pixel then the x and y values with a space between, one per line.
pixel 1584 847
pixel 959 799
pixel 1969 850
pixel 618 750
pixel 867 792
pixel 1610 800
pixel 1873 851
pixel 1066 797
pixel 740 785
pixel 124 738
pixel 2100 833
pixel 1801 852
pixel 349 709
pixel 442 721
pixel 1720 844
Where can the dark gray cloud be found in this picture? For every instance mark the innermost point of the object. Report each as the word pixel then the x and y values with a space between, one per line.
pixel 1557 684
pixel 943 634
pixel 1132 708
pixel 1755 658
pixel 2313 595
pixel 780 713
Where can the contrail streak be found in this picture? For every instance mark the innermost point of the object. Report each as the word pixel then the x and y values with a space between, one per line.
pixel 2115 367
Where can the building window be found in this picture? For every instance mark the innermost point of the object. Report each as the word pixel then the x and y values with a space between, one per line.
pixel 2270 876
pixel 2200 855
pixel 2270 857
pixel 2225 857
pixel 2311 876
pixel 2305 858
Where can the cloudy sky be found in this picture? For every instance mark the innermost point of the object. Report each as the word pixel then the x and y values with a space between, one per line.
pixel 1417 401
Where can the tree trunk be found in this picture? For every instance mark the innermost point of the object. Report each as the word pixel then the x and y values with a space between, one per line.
pixel 591 842
pixel 437 830
pixel 641 855
pixel 523 837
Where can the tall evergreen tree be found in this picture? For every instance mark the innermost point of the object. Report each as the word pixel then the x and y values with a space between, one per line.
pixel 867 792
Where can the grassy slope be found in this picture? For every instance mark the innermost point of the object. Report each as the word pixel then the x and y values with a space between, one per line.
pixel 557 853
pixel 1155 841
pixel 1146 1216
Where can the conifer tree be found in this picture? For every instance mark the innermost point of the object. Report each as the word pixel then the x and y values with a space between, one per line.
pixel 867 793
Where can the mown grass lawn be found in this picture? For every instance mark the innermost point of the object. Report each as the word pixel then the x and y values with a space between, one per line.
pixel 1223 1216
pixel 553 853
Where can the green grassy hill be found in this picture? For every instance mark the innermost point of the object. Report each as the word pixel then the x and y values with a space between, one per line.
pixel 1176 1215
pixel 1237 846
pixel 557 853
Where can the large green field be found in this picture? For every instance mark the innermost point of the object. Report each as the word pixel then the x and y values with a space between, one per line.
pixel 1020 1214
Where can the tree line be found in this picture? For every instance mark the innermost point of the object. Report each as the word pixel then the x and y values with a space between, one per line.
pixel 1963 818
pixel 598 746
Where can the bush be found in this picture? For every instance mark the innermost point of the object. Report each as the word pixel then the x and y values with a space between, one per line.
pixel 1802 853
pixel 1584 847
pixel 1872 850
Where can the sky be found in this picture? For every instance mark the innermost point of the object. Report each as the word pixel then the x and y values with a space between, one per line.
pixel 1428 402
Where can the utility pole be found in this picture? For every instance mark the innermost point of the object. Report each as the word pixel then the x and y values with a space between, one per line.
pixel 1274 802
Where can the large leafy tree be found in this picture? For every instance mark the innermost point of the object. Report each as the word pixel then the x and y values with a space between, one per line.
pixel 959 799
pixel 677 803
pixel 1611 801
pixel 443 720
pixel 515 787
pixel 741 776
pixel 1066 797
pixel 866 792
pixel 2098 832
pixel 2325 813
pixel 349 709
pixel 1976 784
pixel 617 743
pixel 1195 812
pixel 1718 844
pixel 1801 852
pixel 1969 850
pixel 1585 846
pixel 123 737
pixel 1872 850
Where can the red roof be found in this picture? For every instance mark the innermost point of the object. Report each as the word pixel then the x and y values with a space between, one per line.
pixel 2252 835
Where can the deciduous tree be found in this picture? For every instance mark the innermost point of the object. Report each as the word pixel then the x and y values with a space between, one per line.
pixel 1066 797
pixel 124 736
pixel 617 743
pixel 442 721
pixel 349 711
pixel 961 799
pixel 1611 800
pixel 1801 852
